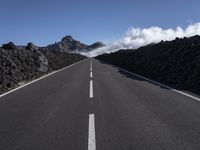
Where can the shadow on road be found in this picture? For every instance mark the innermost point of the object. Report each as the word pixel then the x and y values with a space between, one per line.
pixel 131 76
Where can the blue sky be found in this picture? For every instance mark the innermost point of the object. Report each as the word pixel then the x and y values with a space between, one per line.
pixel 47 21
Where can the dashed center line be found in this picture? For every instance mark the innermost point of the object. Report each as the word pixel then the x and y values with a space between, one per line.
pixel 91 89
pixel 91 82
pixel 91 65
pixel 90 74
pixel 91 133
pixel 91 128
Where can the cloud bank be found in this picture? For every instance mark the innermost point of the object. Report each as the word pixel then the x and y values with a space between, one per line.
pixel 137 37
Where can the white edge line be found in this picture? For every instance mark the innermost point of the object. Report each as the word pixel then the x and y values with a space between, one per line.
pixel 40 78
pixel 91 133
pixel 180 92
pixel 91 89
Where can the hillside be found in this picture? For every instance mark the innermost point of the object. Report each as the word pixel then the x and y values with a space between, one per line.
pixel 19 65
pixel 175 63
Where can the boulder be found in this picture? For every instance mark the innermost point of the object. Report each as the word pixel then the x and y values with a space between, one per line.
pixel 31 46
pixel 9 46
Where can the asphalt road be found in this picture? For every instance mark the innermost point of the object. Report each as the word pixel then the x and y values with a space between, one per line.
pixel 97 106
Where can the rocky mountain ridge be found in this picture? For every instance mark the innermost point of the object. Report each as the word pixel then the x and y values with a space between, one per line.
pixel 68 44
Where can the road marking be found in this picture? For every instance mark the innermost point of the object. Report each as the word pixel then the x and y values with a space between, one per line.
pixel 91 65
pixel 91 133
pixel 40 79
pixel 90 74
pixel 91 89
pixel 160 84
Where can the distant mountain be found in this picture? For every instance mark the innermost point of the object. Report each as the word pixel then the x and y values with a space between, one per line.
pixel 68 44
pixel 95 46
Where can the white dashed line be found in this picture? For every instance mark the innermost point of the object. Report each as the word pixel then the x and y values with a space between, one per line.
pixel 90 74
pixel 91 89
pixel 91 128
pixel 91 133
pixel 91 65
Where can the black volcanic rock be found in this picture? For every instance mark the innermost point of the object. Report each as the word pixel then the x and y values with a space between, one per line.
pixel 9 46
pixel 17 65
pixel 175 63
pixel 59 59
pixel 22 65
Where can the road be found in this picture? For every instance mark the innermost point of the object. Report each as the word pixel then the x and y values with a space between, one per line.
pixel 96 106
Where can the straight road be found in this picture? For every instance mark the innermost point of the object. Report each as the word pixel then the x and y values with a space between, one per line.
pixel 97 106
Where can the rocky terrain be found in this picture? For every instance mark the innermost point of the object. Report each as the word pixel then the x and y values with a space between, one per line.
pixel 175 63
pixel 21 64
pixel 68 44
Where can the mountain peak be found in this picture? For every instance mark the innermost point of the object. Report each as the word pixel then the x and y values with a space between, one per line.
pixel 67 38
pixel 68 44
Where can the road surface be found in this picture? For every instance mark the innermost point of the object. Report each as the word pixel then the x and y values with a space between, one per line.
pixel 97 106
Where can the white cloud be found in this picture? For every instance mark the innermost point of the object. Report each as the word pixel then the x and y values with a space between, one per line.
pixel 137 37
